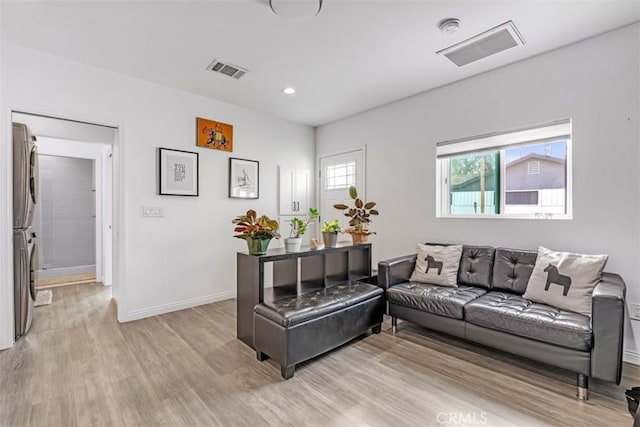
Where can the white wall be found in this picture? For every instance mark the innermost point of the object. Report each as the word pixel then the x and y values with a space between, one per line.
pixel 187 257
pixel 594 82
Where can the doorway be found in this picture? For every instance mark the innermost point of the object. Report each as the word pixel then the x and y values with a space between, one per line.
pixel 64 221
pixel 72 218
pixel 83 134
pixel 339 171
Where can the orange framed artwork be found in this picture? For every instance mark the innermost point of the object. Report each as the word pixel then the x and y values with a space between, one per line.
pixel 213 134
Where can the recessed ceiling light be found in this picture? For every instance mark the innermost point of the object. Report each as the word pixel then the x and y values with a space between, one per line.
pixel 449 26
pixel 296 10
pixel 289 90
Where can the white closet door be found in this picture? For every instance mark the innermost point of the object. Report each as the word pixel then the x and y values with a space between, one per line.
pixel 287 201
pixel 301 191
pixel 294 191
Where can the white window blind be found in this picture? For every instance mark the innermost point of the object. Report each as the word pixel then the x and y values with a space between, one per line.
pixel 531 135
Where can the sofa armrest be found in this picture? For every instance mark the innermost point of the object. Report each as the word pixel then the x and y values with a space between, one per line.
pixel 396 270
pixel 607 321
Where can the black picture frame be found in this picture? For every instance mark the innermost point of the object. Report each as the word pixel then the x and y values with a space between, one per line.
pixel 178 172
pixel 244 178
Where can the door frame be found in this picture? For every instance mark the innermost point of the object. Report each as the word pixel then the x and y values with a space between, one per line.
pixel 6 212
pixel 362 192
pixel 95 152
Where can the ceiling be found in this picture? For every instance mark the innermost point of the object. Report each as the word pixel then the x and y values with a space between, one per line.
pixel 355 55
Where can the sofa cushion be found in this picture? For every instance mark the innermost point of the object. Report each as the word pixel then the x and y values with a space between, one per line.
pixel 296 309
pixel 565 280
pixel 512 269
pixel 476 265
pixel 437 264
pixel 434 299
pixel 511 313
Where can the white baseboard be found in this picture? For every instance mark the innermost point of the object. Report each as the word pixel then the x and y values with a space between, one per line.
pixel 66 271
pixel 630 356
pixel 179 305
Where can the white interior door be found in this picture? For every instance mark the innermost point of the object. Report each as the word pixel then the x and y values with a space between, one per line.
pixel 337 173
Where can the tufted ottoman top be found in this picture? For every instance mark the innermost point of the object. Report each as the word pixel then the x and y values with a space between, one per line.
pixel 296 309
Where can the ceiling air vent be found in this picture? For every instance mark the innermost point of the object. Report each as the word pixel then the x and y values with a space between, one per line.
pixel 495 40
pixel 227 69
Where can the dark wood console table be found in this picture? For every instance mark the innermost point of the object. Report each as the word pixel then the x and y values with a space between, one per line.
pixel 295 274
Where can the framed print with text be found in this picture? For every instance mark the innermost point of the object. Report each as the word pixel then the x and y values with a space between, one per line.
pixel 177 172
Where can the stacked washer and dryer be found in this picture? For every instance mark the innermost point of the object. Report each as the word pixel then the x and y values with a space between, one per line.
pixel 25 249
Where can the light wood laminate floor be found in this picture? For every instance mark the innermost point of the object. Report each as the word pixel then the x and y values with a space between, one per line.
pixel 78 366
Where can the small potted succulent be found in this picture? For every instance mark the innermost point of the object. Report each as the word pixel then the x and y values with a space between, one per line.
pixel 359 216
pixel 330 232
pixel 298 228
pixel 257 231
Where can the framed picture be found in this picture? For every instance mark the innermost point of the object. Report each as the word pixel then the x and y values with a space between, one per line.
pixel 244 178
pixel 177 172
pixel 216 135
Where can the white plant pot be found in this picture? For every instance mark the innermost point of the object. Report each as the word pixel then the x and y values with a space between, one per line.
pixel 292 244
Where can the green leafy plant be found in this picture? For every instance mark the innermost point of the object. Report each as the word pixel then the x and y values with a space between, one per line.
pixel 252 226
pixel 360 214
pixel 331 227
pixel 299 226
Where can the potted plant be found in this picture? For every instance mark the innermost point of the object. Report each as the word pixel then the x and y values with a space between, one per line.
pixel 330 232
pixel 359 216
pixel 257 231
pixel 298 228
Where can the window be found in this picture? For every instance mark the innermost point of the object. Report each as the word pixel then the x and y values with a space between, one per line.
pixel 341 175
pixel 523 173
pixel 521 198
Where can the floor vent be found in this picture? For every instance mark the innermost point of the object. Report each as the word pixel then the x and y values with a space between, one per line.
pixel 227 69
pixel 495 40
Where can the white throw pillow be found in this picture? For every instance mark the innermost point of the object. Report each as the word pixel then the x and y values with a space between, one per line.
pixel 437 265
pixel 565 280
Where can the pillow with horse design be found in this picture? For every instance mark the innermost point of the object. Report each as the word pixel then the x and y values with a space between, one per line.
pixel 565 280
pixel 437 265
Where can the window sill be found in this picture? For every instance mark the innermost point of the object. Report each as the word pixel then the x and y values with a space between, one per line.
pixel 553 218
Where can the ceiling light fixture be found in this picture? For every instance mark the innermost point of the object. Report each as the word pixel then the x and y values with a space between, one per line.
pixel 296 10
pixel 289 90
pixel 449 25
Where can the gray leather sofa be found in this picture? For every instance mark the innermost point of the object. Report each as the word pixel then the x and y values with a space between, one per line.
pixel 487 307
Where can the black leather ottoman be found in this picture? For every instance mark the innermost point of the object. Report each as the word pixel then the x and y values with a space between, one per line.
pixel 297 328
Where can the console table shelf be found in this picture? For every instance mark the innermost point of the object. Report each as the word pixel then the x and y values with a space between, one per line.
pixel 295 274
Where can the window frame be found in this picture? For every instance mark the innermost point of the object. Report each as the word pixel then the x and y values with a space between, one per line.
pixel 443 193
pixel 350 178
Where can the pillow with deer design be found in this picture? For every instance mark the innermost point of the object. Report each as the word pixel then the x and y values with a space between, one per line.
pixel 437 265
pixel 565 280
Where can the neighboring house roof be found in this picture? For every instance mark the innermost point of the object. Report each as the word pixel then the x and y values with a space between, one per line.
pixel 534 156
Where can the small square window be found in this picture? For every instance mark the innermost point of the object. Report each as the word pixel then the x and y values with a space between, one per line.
pixel 340 176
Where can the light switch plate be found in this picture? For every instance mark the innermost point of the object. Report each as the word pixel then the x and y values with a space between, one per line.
pixel 152 211
pixel 634 311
